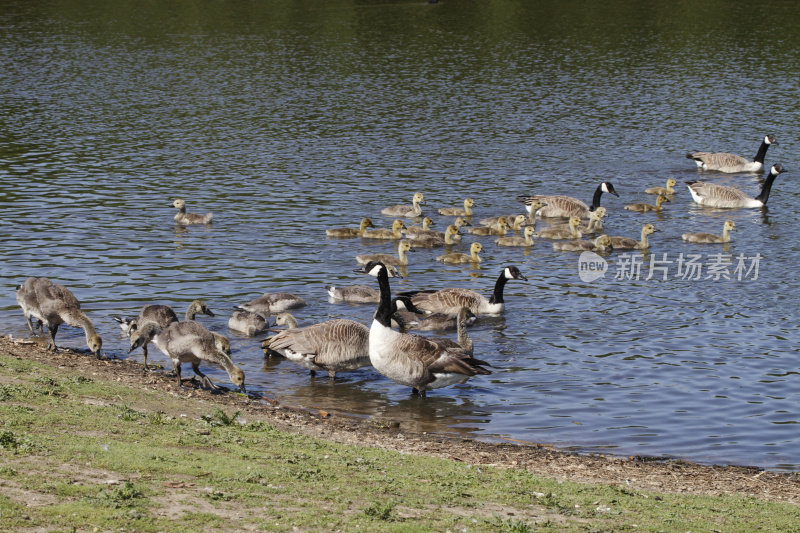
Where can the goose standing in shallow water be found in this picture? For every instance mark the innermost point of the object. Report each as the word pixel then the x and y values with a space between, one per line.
pixel 714 195
pixel 283 319
pixel 406 211
pixel 273 303
pixel 383 233
pixel 458 211
pixel 350 232
pixel 645 207
pixel 566 206
pixel 413 360
pixel 400 259
pixel 451 300
pixel 247 322
pixel 459 258
pixel 626 243
pixel 184 219
pixel 710 237
pixel 669 190
pixel 725 162
pixel 53 305
pixel 189 342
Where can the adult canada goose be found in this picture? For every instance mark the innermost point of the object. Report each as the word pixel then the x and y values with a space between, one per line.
pixel 714 195
pixel 406 211
pixel 500 229
pixel 413 360
pixel 383 233
pixel 247 322
pixel 566 206
pixel 53 304
pixel 710 237
pixel 626 243
pixel 516 240
pixel 432 241
pixel 408 316
pixel 163 315
pixel 335 346
pixel 273 303
pixel 560 232
pixel 450 300
pixel 189 342
pixel 600 244
pixel 669 190
pixel 645 207
pixel 458 211
pixel 388 259
pixel 183 218
pixel 459 258
pixel 725 162
pixel 426 224
pixel 350 232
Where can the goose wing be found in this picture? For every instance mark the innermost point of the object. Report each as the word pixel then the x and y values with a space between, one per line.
pixel 715 195
pixel 162 315
pixel 354 293
pixel 331 342
pixel 717 160
pixel 557 205
pixel 448 300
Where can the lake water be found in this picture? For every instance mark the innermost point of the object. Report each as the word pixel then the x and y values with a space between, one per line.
pixel 284 118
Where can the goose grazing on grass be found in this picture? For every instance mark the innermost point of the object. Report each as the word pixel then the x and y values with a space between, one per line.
pixel 516 240
pixel 334 346
pixel 469 203
pixel 413 360
pixel 350 232
pixel 53 305
pixel 400 259
pixel 459 258
pixel 560 232
pixel 725 162
pixel 184 219
pixel 714 195
pixel 383 233
pixel 500 229
pixel 432 241
pixel 600 244
pixel 406 211
pixel 188 342
pixel 645 207
pixel 408 316
pixel 566 206
pixel 451 300
pixel 710 237
pixel 626 243
pixel 669 190
pixel 247 322
pixel 273 303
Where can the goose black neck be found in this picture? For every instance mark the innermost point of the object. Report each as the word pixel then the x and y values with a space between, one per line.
pixel 596 198
pixel 762 152
pixel 765 189
pixel 384 312
pixel 497 295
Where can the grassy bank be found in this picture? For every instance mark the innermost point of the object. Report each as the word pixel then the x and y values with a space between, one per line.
pixel 81 452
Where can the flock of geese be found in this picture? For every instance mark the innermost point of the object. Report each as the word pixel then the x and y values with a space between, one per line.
pixel 417 361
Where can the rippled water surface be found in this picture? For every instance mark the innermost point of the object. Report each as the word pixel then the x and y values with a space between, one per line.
pixel 284 118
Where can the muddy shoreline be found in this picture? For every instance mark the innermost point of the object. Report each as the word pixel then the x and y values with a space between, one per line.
pixel 634 473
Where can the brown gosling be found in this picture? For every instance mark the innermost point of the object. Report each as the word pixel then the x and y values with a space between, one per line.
pixel 626 243
pixel 502 228
pixel 406 211
pixel 458 258
pixel 383 233
pixel 432 241
pixel 388 259
pixel 184 219
pixel 600 244
pixel 516 240
pixel 669 190
pixel 710 237
pixel 350 232
pixel 645 207
pixel 457 211
pixel 558 233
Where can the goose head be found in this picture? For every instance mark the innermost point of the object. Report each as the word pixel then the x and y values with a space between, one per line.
pixel 418 198
pixel 466 317
pixel 143 335
pixel 661 199
pixel 460 221
pixel 179 203
pixel 512 272
pixel 517 221
pixel 427 222
pixel 606 186
pixel 285 319
pixel 95 343
pixel 199 307
pixel 404 246
pixel 529 231
pixel 603 242
pixel 770 139
pixel 599 214
pixel 237 377
pixel 373 268
pixel 468 203
pixel 397 225
pixel 729 225
pixel 672 182
pixel 451 230
pixel 366 223
pixel 648 229
pixel 574 222
pixel 776 169
pixel 475 247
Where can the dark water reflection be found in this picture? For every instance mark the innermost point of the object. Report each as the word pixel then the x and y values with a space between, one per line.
pixel 285 118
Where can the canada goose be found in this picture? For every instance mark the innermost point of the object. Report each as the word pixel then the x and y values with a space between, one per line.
pixel 431 241
pixel 457 257
pixel 383 233
pixel 406 211
pixel 725 162
pixel 668 190
pixel 566 206
pixel 413 360
pixel 426 224
pixel 247 322
pixel 273 303
pixel 400 259
pixel 336 346
pixel 350 232
pixel 714 195
pixel 53 305
pixel 556 233
pixel 594 225
pixel 626 243
pixel 457 211
pixel 408 316
pixel 459 222
pixel 358 294
pixel 450 300
pixel 188 342
pixel 464 341
pixel 710 237
pixel 645 207
pixel 500 229
pixel 163 315
pixel 516 240
pixel 183 218
pixel 514 222
pixel 26 299
pixel 600 244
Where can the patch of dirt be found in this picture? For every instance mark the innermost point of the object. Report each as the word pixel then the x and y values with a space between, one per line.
pixel 632 473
